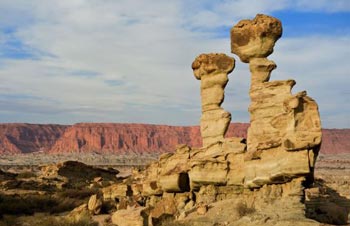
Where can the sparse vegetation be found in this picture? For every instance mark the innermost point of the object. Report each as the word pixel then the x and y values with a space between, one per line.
pixel 45 221
pixel 77 194
pixel 29 204
pixel 244 210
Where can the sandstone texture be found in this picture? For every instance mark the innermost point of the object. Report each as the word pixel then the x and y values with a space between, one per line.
pixel 212 69
pixel 284 136
pixel 265 175
pixel 255 38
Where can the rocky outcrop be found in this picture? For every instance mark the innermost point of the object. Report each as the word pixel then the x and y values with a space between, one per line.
pixel 268 172
pixel 212 69
pixel 284 136
pixel 76 174
pixel 130 217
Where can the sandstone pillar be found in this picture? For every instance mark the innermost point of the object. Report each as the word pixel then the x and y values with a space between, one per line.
pixel 280 122
pixel 212 69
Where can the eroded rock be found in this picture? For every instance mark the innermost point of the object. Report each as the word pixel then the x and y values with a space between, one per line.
pixel 265 174
pixel 284 136
pixel 255 38
pixel 212 69
pixel 130 217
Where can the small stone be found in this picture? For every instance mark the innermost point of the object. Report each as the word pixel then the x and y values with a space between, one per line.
pixel 94 204
pixel 189 205
pixel 202 209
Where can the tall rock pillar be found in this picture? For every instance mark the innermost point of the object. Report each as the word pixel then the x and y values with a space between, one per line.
pixel 285 129
pixel 212 69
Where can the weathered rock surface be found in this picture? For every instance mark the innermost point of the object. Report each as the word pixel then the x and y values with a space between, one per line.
pixel 255 38
pixel 95 204
pixel 130 217
pixel 212 69
pixel 266 174
pixel 284 136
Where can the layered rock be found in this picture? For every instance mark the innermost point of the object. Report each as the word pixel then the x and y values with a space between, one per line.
pixel 18 138
pixel 212 69
pixel 124 138
pixel 284 136
pixel 266 173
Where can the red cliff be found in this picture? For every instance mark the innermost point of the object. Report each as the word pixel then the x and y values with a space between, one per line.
pixel 126 138
pixel 25 138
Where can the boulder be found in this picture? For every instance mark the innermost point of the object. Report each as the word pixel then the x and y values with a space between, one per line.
pixel 115 190
pixel 255 38
pixel 276 166
pixel 94 204
pixel 165 206
pixel 150 188
pixel 208 171
pixel 178 182
pixel 130 217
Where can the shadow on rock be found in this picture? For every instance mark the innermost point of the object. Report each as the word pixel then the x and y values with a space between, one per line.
pixel 326 205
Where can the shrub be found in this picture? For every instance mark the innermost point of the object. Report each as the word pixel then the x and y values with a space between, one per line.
pixel 54 221
pixel 45 221
pixel 18 205
pixel 244 210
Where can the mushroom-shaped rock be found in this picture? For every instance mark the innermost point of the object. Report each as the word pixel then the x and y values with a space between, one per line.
pixel 255 38
pixel 212 63
pixel 212 69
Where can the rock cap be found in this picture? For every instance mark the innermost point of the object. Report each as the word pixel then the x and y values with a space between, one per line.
pixel 212 63
pixel 255 38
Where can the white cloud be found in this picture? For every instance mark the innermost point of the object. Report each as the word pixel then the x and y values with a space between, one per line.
pixel 148 48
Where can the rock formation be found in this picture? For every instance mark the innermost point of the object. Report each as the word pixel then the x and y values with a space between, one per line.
pixel 17 138
pixel 268 174
pixel 212 70
pixel 282 125
pixel 124 138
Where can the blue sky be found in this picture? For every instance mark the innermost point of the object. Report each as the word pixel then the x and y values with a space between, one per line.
pixel 72 61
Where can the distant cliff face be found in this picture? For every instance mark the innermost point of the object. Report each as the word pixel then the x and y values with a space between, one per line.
pixel 25 138
pixel 126 138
